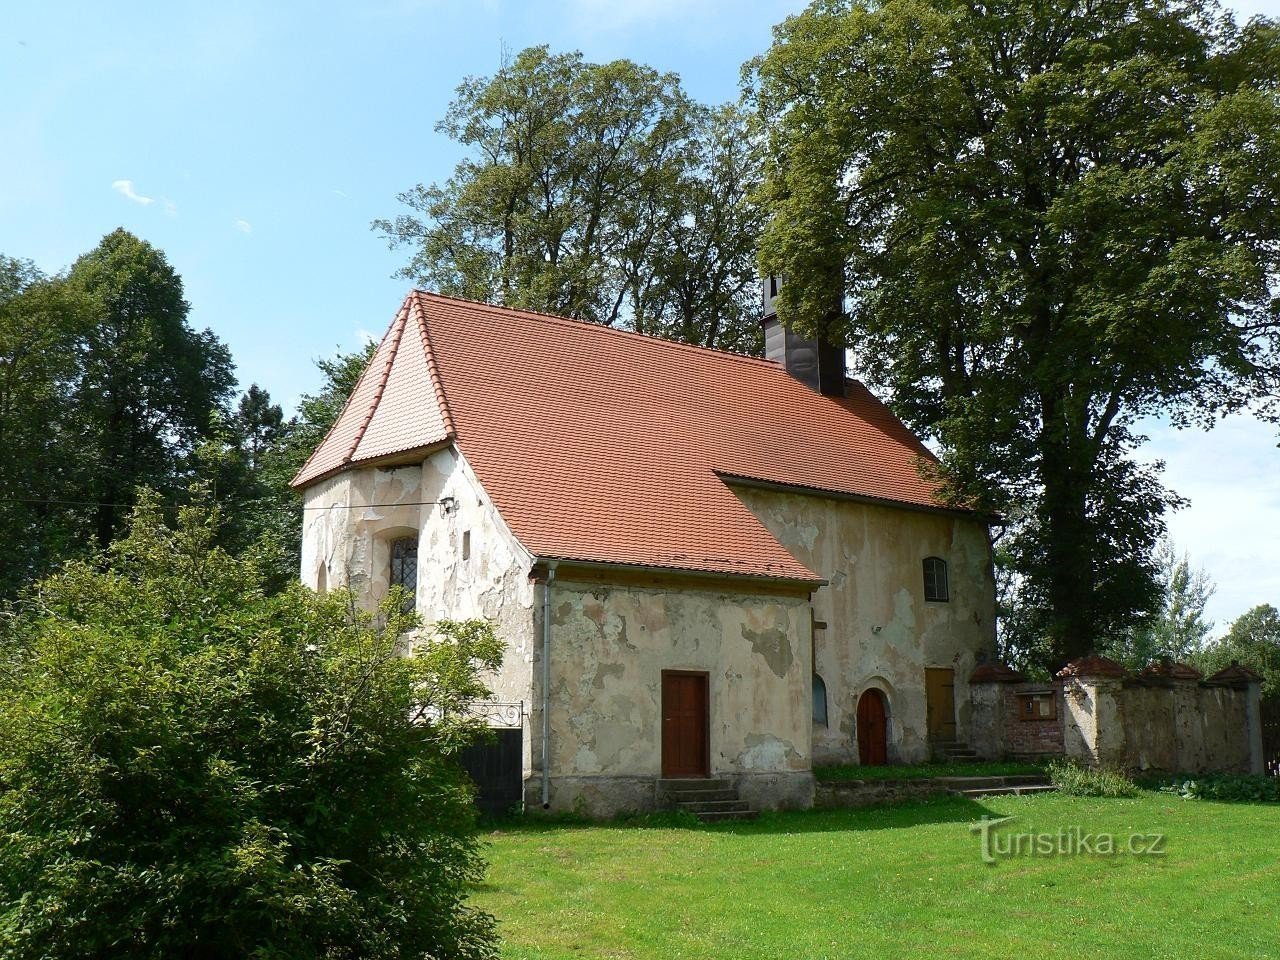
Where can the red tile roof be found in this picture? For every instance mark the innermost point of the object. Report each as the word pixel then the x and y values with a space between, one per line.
pixel 600 445
pixel 1093 665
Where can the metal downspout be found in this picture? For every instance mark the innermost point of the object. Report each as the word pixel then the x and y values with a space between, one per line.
pixel 546 684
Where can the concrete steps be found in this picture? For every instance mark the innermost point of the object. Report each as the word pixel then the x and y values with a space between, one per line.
pixel 951 751
pixel 996 786
pixel 710 800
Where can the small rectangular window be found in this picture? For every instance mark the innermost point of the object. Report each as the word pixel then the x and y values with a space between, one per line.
pixel 935 580
pixel 404 569
pixel 1037 706
pixel 466 545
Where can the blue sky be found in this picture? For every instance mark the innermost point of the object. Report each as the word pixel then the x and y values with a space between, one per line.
pixel 254 142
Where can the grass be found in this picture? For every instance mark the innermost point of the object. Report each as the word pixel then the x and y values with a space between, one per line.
pixel 890 882
pixel 922 770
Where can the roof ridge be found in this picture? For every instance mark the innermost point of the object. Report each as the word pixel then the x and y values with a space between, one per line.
pixel 398 325
pixel 346 459
pixel 433 371
pixel 587 324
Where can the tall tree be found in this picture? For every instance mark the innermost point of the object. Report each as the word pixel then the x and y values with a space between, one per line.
pixel 1049 220
pixel 41 449
pixel 148 381
pixel 597 191
pixel 1178 629
pixel 1253 640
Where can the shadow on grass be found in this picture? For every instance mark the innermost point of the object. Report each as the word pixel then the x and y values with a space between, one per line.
pixel 911 813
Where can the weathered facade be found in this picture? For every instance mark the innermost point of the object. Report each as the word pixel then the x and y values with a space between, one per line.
pixel 740 596
pixel 1166 718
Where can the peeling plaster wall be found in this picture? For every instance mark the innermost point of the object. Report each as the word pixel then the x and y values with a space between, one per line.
pixel 880 630
pixel 610 643
pixel 351 519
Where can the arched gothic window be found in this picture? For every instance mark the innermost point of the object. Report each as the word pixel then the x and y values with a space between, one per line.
pixel 935 579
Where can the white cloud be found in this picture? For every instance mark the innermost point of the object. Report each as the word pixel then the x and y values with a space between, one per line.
pixel 364 337
pixel 1232 525
pixel 125 189
pixel 244 226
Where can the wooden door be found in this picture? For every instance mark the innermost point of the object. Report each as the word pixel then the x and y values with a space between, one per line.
pixel 873 743
pixel 940 702
pixel 686 748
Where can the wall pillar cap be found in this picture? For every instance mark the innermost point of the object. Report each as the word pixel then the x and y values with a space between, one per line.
pixel 996 672
pixel 1093 666
pixel 1236 675
pixel 1169 669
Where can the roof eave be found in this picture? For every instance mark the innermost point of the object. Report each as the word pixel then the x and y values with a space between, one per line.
pixel 810 583
pixel 406 457
pixel 741 480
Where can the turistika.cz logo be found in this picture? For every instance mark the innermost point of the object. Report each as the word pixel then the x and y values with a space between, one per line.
pixel 1065 842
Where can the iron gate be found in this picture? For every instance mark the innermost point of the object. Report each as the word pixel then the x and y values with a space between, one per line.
pixel 1271 736
pixel 496 762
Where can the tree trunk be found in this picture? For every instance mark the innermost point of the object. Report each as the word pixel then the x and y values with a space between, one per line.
pixel 1067 539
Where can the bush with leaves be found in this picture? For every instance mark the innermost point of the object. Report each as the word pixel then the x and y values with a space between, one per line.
pixel 192 767
pixel 1077 780
pixel 1225 787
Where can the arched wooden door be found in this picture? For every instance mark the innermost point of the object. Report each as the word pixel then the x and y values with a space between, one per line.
pixel 873 746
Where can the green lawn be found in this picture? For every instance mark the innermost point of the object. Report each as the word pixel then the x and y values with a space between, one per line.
pixel 889 882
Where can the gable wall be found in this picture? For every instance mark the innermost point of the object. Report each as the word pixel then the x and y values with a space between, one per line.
pixel 350 520
pixel 880 630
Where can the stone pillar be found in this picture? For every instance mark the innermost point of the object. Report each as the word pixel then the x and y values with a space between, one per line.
pixel 1249 683
pixel 989 714
pixel 1093 727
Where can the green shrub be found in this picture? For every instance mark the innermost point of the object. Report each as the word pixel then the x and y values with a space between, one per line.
pixel 192 768
pixel 1227 787
pixel 1077 780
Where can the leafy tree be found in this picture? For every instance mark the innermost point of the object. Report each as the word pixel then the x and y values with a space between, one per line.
pixel 193 768
pixel 250 458
pixel 148 383
pixel 1049 219
pixel 41 450
pixel 597 191
pixel 259 423
pixel 1178 628
pixel 1254 641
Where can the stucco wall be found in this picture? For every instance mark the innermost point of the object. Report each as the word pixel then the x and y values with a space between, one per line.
pixel 610 643
pixel 350 520
pixel 880 630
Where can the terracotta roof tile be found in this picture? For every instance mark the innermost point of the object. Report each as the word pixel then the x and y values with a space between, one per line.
pixel 996 672
pixel 603 445
pixel 1169 670
pixel 1093 665
pixel 1235 675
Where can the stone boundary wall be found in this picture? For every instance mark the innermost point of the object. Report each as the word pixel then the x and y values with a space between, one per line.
pixel 845 794
pixel 1164 718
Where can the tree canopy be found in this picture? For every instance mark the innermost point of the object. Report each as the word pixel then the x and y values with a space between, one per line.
pixel 193 767
pixel 1253 640
pixel 1048 220
pixel 595 191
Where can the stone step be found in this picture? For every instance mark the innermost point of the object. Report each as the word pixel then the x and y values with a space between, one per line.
pixel 693 783
pixel 699 796
pixel 722 816
pixel 982 783
pixel 712 806
pixel 975 792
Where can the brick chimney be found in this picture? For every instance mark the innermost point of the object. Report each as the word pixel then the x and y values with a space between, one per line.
pixel 817 364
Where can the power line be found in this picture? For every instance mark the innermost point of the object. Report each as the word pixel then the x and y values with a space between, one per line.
pixel 447 502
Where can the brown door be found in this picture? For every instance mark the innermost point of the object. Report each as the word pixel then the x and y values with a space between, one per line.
pixel 873 746
pixel 685 720
pixel 940 702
